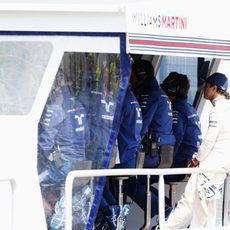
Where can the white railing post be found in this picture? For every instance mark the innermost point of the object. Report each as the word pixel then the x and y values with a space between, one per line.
pixel 226 199
pixel 161 193
pixel 148 205
pixel 68 201
pixel 12 212
pixel 13 187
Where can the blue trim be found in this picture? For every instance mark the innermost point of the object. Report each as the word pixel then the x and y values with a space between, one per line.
pixel 57 33
pixel 125 66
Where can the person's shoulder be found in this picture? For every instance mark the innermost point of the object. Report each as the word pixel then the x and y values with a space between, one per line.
pixel 131 98
pixel 223 107
pixel 163 96
pixel 157 91
pixel 190 108
pixel 185 108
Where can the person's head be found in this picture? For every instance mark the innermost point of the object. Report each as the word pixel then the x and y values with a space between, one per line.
pixel 216 84
pixel 62 87
pixel 142 71
pixel 176 85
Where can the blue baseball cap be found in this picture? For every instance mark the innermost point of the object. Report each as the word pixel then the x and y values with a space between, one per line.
pixel 218 79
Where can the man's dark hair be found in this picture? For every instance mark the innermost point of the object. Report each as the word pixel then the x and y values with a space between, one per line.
pixel 176 84
pixel 143 69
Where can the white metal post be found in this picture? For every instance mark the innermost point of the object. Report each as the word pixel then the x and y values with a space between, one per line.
pixel 161 201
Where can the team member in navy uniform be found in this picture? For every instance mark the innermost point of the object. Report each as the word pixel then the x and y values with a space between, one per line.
pixel 63 132
pixel 102 109
pixel 186 122
pixel 157 125
pixel 186 128
pixel 129 144
pixel 129 136
pixel 63 127
pixel 156 110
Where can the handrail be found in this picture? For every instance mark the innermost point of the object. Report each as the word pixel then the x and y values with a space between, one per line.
pixel 128 172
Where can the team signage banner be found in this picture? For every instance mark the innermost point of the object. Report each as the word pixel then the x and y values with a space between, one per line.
pixel 179 27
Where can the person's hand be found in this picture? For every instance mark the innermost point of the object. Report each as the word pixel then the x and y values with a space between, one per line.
pixel 193 163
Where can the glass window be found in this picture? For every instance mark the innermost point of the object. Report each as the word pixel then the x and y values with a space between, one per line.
pixel 22 65
pixel 184 65
pixel 74 129
pixel 194 67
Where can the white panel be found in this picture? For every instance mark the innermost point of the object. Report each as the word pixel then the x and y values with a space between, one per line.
pixel 179 28
pixel 180 18
pixel 62 21
pixel 18 134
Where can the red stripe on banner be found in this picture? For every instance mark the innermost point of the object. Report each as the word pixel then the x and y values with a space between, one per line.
pixel 174 44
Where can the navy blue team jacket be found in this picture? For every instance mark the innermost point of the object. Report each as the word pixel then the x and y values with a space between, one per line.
pixel 129 136
pixel 186 128
pixel 157 113
pixel 63 124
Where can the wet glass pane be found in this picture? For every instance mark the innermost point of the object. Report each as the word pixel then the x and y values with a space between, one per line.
pixel 74 130
pixel 22 65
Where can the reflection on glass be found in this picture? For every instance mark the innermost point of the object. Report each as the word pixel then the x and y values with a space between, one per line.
pixel 22 65
pixel 184 65
pixel 74 131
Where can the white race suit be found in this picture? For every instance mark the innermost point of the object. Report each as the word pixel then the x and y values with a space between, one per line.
pixel 214 152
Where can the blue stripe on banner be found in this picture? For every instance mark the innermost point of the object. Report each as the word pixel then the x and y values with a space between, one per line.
pixel 181 45
pixel 179 50
pixel 176 38
pixel 163 51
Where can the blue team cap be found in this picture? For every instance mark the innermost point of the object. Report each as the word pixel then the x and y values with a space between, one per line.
pixel 218 79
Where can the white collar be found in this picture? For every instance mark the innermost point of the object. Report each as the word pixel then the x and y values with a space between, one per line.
pixel 214 101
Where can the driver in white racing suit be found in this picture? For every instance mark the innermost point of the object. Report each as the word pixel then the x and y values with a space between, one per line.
pixel 197 206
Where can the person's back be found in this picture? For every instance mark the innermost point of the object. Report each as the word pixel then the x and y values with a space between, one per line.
pixel 129 143
pixel 186 128
pixel 157 114
pixel 73 133
pixel 186 122
pixel 156 111
pixel 129 138
pixel 62 138
pixel 157 126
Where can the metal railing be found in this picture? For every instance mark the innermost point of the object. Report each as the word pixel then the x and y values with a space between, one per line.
pixel 131 172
